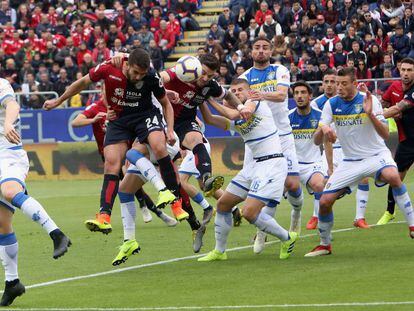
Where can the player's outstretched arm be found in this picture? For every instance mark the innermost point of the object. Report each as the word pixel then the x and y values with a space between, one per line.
pixel 73 89
pixel 229 113
pixel 214 120
pixel 232 100
pixel 12 113
pixel 82 120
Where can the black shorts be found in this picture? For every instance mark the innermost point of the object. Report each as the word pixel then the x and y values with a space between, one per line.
pixel 404 155
pixel 127 128
pixel 185 127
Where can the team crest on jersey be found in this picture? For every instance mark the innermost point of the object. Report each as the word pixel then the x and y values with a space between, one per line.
pixel 114 99
pixel 119 92
pixel 314 123
pixel 205 91
pixel 358 108
pixel 189 94
pixel 271 75
pixel 139 84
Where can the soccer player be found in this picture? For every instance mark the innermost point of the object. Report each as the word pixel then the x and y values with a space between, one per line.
pixel 270 84
pixel 304 120
pixel 95 115
pixel 259 183
pixel 399 98
pixel 333 156
pixel 14 166
pixel 128 91
pixel 361 128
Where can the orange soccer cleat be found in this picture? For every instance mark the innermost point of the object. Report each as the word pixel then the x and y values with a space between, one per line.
pixel 177 210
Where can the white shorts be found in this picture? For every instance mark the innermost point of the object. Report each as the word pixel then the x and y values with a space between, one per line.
pixel 349 172
pixel 289 151
pixel 14 166
pixel 261 180
pixel 337 158
pixel 306 171
pixel 188 166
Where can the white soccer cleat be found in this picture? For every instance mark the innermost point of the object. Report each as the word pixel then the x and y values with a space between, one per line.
pixel 169 221
pixel 295 222
pixel 146 215
pixel 259 242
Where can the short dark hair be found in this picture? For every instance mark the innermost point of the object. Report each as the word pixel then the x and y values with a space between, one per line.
pixel 257 39
pixel 139 57
pixel 329 71
pixel 210 61
pixel 238 81
pixel 302 83
pixel 347 72
pixel 407 60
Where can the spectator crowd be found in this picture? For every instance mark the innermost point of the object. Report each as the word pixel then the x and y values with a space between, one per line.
pixel 46 45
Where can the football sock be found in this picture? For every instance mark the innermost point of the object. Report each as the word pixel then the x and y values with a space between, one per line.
pixel 108 193
pixel 317 197
pixel 186 205
pixel 169 175
pixel 361 200
pixel 8 255
pixel 222 226
pixel 128 214
pixel 391 201
pixel 202 160
pixel 145 200
pixel 34 210
pixel 200 200
pixel 404 203
pixel 268 224
pixel 146 168
pixel 295 199
pixel 325 225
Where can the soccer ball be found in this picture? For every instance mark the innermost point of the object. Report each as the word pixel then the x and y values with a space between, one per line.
pixel 188 69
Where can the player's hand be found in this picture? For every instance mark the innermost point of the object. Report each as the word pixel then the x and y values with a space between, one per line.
pixel 117 60
pixel 329 133
pixel 99 116
pixel 255 95
pixel 50 104
pixel 11 134
pixel 330 171
pixel 110 114
pixel 173 96
pixel 246 112
pixel 171 138
pixel 362 87
pixel 368 103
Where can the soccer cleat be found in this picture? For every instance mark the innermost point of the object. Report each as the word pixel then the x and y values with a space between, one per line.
pixel 169 221
pixel 128 248
pixel 411 232
pixel 361 223
pixel 198 238
pixel 102 223
pixel 61 243
pixel 146 215
pixel 212 184
pixel 312 223
pixel 320 250
pixel 207 215
pixel 287 247
pixel 177 210
pixel 11 292
pixel 237 217
pixel 214 255
pixel 259 242
pixel 386 218
pixel 165 197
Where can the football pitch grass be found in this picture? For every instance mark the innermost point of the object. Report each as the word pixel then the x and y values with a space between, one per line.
pixel 369 269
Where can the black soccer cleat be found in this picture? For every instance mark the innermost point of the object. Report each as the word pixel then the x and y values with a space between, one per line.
pixel 237 217
pixel 12 290
pixel 61 243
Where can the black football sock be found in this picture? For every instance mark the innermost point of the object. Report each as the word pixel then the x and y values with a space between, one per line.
pixel 202 160
pixel 391 201
pixel 144 200
pixel 108 193
pixel 169 175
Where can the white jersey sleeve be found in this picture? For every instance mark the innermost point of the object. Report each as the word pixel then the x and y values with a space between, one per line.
pixel 283 76
pixel 6 91
pixel 326 117
pixel 377 109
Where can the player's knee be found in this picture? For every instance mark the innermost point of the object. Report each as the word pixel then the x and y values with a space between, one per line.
pixel 10 191
pixel 159 150
pixel 292 184
pixel 250 214
pixel 318 187
pixel 325 205
pixel 394 181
